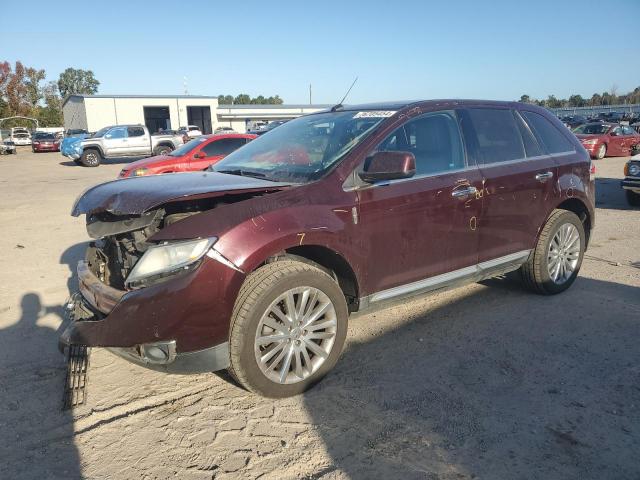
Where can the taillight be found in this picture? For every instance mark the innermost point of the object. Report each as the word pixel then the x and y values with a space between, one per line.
pixel 592 171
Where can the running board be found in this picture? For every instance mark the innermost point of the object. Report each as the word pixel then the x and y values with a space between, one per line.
pixel 456 278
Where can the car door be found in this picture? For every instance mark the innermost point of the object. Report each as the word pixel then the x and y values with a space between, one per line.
pixel 424 226
pixel 138 141
pixel 215 151
pixel 616 142
pixel 631 139
pixel 115 142
pixel 517 180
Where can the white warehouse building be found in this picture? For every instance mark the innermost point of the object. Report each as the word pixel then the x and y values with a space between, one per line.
pixel 170 112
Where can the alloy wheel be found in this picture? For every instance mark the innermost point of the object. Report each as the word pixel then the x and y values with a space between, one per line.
pixel 564 253
pixel 295 335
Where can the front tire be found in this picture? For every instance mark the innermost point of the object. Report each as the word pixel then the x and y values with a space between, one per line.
pixel 602 152
pixel 90 158
pixel 555 262
pixel 633 198
pixel 288 328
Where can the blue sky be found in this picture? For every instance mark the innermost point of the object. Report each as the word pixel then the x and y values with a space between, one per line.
pixel 399 50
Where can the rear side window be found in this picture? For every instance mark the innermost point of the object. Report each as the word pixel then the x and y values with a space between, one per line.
pixel 552 138
pixel 136 131
pixel 223 146
pixel 496 134
pixel 434 140
pixel 119 132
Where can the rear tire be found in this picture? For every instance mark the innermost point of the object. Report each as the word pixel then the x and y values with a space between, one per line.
pixel 268 337
pixel 162 150
pixel 633 198
pixel 602 152
pixel 90 158
pixel 555 262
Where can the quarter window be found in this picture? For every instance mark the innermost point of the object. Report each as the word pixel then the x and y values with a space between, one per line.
pixel 548 134
pixel 495 134
pixel 434 140
pixel 223 146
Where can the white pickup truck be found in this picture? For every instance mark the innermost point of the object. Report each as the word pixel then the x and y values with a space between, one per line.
pixel 119 141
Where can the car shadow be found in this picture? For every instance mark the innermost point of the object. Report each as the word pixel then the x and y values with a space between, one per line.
pixel 610 195
pixel 37 436
pixel 104 161
pixel 496 383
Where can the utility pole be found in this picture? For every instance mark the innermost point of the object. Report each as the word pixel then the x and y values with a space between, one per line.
pixel 310 102
pixel 186 91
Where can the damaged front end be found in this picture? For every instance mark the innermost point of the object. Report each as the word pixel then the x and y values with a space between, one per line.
pixel 162 304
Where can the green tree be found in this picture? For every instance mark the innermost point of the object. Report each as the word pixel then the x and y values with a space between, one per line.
pixel 525 99
pixel 242 99
pixel 577 101
pixel 225 99
pixel 77 81
pixel 51 114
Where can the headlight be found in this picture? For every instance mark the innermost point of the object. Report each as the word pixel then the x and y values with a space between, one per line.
pixel 168 258
pixel 139 172
pixel 593 141
pixel 634 169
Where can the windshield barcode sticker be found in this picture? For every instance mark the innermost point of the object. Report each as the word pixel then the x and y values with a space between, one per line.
pixel 375 114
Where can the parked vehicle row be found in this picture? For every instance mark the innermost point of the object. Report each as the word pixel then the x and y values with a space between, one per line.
pixel 256 264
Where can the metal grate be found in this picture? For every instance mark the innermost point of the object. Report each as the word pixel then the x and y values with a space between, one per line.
pixel 75 387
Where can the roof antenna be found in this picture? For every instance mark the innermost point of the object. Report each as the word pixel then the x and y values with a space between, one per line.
pixel 339 105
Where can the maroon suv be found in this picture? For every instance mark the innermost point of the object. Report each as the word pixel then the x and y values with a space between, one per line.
pixel 256 265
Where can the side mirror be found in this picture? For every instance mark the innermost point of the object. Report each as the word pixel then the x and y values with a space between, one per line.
pixel 388 166
pixel 198 155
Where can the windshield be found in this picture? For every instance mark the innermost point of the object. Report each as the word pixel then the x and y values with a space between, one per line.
pixel 592 129
pixel 43 136
pixel 302 150
pixel 101 132
pixel 187 147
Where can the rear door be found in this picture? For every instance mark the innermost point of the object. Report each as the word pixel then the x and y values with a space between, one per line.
pixel 139 142
pixel 426 225
pixel 517 180
pixel 631 139
pixel 616 142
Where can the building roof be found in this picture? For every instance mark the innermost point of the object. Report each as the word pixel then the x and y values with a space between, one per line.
pixel 77 95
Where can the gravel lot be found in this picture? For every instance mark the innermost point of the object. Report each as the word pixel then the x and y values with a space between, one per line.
pixel 487 381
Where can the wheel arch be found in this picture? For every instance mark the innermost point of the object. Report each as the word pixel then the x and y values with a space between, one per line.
pixel 94 146
pixel 581 210
pixel 325 259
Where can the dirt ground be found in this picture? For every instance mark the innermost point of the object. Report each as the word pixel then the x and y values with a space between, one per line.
pixel 487 381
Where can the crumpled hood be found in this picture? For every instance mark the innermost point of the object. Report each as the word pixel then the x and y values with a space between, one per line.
pixel 134 196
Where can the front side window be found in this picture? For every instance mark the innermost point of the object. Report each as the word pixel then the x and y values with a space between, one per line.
pixel 552 138
pixel 223 146
pixel 304 149
pixel 495 135
pixel 116 133
pixel 188 147
pixel 433 139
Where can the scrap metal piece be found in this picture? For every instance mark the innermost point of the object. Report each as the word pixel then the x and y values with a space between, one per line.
pixel 75 388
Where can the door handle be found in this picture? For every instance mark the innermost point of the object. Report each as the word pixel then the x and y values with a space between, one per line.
pixel 463 192
pixel 543 177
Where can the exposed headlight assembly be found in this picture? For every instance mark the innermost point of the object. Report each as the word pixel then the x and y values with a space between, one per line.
pixel 633 169
pixel 168 259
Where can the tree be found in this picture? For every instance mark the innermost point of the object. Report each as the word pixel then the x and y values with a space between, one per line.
pixel 16 90
pixel 596 100
pixel 242 99
pixel 51 114
pixel 32 81
pixel 225 99
pixel 77 81
pixel 525 99
pixel 577 101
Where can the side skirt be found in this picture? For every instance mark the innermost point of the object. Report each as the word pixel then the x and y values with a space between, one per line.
pixel 446 281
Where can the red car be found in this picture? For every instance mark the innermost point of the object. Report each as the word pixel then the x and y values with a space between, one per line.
pixel 255 265
pixel 608 139
pixel 45 142
pixel 196 154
